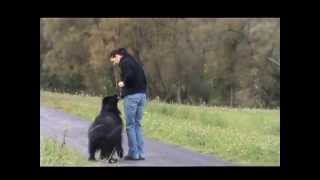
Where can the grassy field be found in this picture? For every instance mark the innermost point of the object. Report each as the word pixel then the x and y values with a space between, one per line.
pixel 245 136
pixel 53 153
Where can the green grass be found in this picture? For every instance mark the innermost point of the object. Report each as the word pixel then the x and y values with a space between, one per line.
pixel 53 153
pixel 245 136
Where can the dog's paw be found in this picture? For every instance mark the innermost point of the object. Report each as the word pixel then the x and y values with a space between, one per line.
pixel 112 160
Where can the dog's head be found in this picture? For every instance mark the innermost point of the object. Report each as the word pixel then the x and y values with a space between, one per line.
pixel 110 101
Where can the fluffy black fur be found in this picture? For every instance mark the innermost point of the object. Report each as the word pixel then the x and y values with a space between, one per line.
pixel 105 133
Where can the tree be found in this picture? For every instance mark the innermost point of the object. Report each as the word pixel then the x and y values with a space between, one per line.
pixel 229 61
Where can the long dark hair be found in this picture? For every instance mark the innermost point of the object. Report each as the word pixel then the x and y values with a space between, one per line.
pixel 120 51
pixel 124 53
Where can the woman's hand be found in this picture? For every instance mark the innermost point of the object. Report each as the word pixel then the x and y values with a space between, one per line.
pixel 121 84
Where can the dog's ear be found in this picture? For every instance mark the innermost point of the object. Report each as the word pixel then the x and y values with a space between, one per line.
pixel 116 96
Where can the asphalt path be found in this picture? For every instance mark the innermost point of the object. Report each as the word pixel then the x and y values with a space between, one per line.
pixel 59 125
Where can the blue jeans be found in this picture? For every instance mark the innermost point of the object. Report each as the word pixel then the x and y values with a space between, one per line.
pixel 133 107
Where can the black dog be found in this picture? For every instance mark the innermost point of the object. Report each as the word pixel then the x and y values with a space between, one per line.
pixel 105 134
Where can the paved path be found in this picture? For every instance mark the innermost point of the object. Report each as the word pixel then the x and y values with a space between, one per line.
pixel 53 123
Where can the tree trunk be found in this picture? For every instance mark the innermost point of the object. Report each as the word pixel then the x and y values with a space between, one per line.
pixel 231 97
pixel 157 68
pixel 179 93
